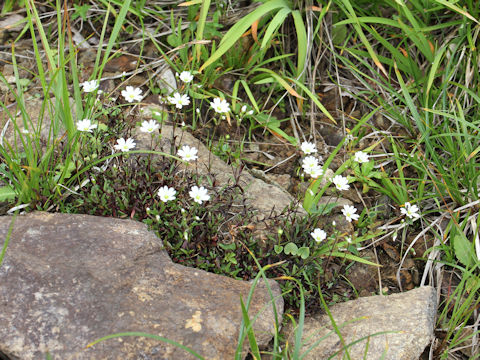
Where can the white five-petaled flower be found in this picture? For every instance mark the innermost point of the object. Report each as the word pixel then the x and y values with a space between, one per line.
pixel 149 126
pixel 309 162
pixel 349 212
pixel 179 100
pixel 361 157
pixel 186 76
pixel 411 211
pixel 220 105
pixel 188 153
pixel 318 235
pixel 341 182
pixel 132 94
pixel 166 193
pixel 199 194
pixel 90 86
pixel 308 147
pixel 311 167
pixel 124 145
pixel 315 172
pixel 86 125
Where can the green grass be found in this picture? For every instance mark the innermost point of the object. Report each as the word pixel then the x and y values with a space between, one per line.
pixel 413 64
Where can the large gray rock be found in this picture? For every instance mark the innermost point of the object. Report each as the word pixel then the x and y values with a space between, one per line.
pixel 68 280
pixel 260 195
pixel 407 318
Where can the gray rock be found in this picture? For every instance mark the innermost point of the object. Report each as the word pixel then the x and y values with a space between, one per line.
pixel 37 118
pixel 13 23
pixel 260 196
pixel 340 202
pixel 68 280
pixel 409 319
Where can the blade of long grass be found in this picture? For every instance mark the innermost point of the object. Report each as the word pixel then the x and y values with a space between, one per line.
pixel 237 30
pixel 363 38
pixel 301 42
pixel 202 18
pixel 277 20
pixel 251 335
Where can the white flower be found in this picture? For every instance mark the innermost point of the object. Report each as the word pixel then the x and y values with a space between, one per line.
pixel 309 162
pixel 124 145
pixel 341 182
pixel 349 213
pixel 349 138
pixel 85 125
pixel 318 235
pixel 308 147
pixel 314 172
pixel 90 86
pixel 243 109
pixel 361 157
pixel 220 105
pixel 186 76
pixel 149 126
pixel 411 211
pixel 179 100
pixel 188 153
pixel 199 194
pixel 166 194
pixel 132 94
pixel 349 239
pixel 250 112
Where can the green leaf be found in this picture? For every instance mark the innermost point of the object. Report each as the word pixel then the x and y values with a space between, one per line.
pixel 304 252
pixel 353 258
pixel 80 10
pixel 237 30
pixel 463 249
pixel 7 193
pixel 274 25
pixel 301 41
pixel 249 329
pixel 278 248
pixel 291 248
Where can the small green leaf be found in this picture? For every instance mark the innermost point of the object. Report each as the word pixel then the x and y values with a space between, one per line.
pixel 278 248
pixel 231 246
pixel 7 193
pixel 291 248
pixel 304 252
pixel 463 249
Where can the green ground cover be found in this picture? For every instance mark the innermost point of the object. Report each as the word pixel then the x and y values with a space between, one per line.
pixel 407 97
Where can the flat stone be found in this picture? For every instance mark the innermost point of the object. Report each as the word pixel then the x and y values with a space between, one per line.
pixel 338 201
pixel 408 317
pixel 260 195
pixel 39 123
pixel 68 280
